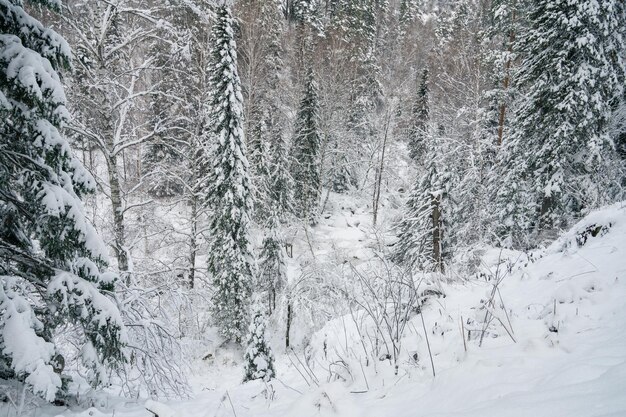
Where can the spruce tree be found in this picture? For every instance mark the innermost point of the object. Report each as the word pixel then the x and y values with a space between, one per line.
pixel 306 154
pixel 417 130
pixel 281 185
pixel 163 156
pixel 420 242
pixel 505 22
pixel 560 149
pixel 342 178
pixel 265 119
pixel 227 185
pixel 161 160
pixel 51 260
pixel 356 25
pixel 258 357
pixel 272 268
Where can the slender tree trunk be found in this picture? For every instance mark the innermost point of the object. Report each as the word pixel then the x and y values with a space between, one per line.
pixel 193 241
pixel 379 179
pixel 437 233
pixel 269 301
pixel 119 231
pixel 288 325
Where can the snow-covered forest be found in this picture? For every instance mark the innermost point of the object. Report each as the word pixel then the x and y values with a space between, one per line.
pixel 312 208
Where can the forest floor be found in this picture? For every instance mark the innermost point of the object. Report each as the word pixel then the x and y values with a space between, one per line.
pixel 556 344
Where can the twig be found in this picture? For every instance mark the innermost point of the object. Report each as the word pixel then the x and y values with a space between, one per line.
pixel 502 323
pixel 298 369
pixel 308 240
pixel 287 386
pixel 505 312
pixel 231 403
pixel 364 377
pixel 432 364
pixel 307 369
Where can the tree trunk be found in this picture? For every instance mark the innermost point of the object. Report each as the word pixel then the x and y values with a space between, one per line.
pixel 193 241
pixel 379 172
pixel 437 233
pixel 288 325
pixel 271 299
pixel 119 231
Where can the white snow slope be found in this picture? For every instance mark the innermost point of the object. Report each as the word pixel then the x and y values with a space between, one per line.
pixel 565 355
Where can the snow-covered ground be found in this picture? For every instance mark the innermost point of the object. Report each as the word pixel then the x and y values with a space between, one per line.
pixel 555 346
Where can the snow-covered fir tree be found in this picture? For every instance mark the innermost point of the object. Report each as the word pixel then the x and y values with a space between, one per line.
pixel 356 25
pixel 272 268
pixel 505 17
pixel 227 185
pixel 342 177
pixel 420 241
pixel 417 130
pixel 259 360
pixel 281 185
pixel 264 70
pixel 52 262
pixel 559 148
pixel 306 154
pixel 163 155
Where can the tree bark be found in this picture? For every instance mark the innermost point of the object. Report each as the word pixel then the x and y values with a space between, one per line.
pixel 119 231
pixel 288 325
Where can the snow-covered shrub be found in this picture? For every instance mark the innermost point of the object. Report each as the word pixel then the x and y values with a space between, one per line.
pixel 259 360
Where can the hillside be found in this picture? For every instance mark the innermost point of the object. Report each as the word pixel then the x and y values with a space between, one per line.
pixel 566 355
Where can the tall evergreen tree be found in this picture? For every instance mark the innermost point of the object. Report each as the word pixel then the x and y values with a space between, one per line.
pixel 420 242
pixel 306 154
pixel 227 185
pixel 417 130
pixel 51 259
pixel 560 149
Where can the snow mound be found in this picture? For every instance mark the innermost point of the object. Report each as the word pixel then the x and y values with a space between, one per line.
pixel 537 334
